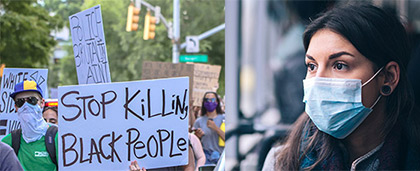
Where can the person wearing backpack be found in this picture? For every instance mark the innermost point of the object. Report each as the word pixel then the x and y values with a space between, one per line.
pixel 36 142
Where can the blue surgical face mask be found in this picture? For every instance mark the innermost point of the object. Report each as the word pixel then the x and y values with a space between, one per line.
pixel 335 105
pixel 32 123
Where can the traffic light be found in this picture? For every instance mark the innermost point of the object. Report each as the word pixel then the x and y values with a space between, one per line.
pixel 149 26
pixel 1 69
pixel 132 18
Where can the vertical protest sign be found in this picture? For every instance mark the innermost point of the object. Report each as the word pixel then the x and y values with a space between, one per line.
pixel 12 76
pixel 89 46
pixel 206 78
pixel 105 126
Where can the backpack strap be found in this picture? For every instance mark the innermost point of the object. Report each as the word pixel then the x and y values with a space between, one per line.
pixel 16 136
pixel 50 143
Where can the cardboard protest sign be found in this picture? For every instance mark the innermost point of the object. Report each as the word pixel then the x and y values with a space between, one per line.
pixel 206 78
pixel 152 70
pixel 89 46
pixel 203 77
pixel 105 126
pixel 12 76
pixel 155 70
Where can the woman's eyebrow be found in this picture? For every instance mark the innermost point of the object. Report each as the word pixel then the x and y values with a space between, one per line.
pixel 332 56
pixel 336 55
pixel 310 57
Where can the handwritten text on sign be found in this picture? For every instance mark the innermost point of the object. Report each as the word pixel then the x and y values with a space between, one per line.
pixel 105 126
pixel 12 76
pixel 89 46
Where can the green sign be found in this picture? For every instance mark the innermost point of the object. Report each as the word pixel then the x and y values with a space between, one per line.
pixel 193 58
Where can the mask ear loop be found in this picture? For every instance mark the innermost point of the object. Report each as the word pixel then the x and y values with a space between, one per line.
pixel 371 78
pixel 377 100
pixel 367 82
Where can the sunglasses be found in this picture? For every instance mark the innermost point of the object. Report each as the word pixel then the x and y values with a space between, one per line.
pixel 31 100
pixel 210 99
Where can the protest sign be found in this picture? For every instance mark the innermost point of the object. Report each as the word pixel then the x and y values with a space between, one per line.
pixel 12 76
pixel 155 70
pixel 105 126
pixel 89 46
pixel 206 78
pixel 203 77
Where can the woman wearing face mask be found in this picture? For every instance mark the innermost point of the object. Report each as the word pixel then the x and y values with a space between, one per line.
pixel 207 127
pixel 358 104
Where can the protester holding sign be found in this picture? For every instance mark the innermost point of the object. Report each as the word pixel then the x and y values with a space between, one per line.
pixel 11 76
pixel 29 142
pixel 208 127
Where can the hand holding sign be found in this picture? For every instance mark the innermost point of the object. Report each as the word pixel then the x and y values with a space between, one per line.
pixel 134 166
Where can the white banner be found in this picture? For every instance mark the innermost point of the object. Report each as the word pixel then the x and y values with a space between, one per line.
pixel 105 126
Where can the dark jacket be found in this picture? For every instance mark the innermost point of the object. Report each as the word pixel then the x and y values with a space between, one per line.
pixel 397 152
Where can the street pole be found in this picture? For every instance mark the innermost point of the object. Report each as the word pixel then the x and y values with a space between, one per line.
pixel 176 28
pixel 206 34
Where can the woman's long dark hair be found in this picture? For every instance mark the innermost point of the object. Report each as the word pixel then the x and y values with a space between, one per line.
pixel 218 108
pixel 381 38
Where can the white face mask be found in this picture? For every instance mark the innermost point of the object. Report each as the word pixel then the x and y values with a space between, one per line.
pixel 335 105
pixel 32 123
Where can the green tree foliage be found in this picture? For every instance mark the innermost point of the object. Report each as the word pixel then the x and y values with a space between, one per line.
pixel 63 8
pixel 25 28
pixel 128 50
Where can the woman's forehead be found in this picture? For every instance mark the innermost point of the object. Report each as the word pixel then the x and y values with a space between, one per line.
pixel 325 42
pixel 210 95
pixel 50 112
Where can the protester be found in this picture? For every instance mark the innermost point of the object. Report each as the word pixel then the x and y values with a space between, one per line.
pixel 358 112
pixel 199 156
pixel 50 115
pixel 208 127
pixel 8 159
pixel 31 141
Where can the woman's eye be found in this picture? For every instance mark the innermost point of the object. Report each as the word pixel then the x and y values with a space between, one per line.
pixel 311 67
pixel 340 66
